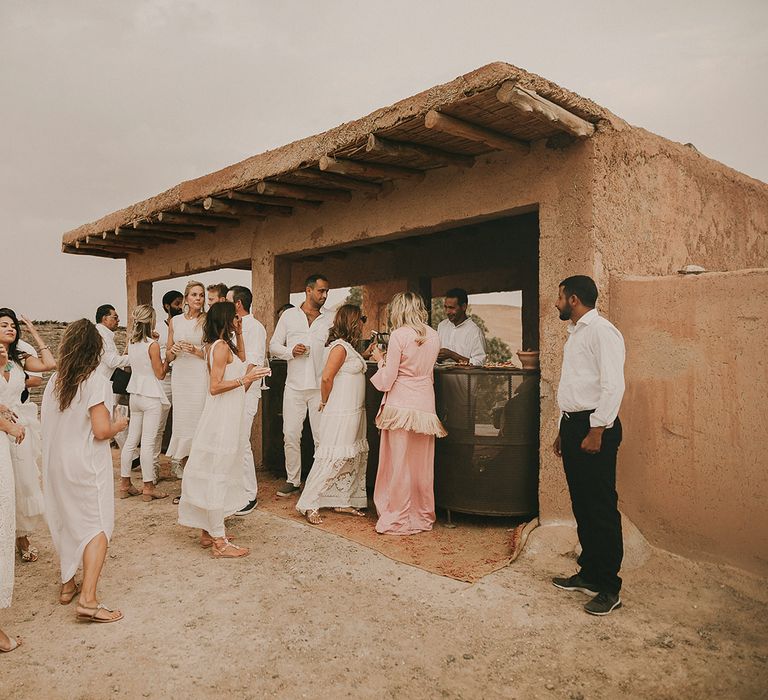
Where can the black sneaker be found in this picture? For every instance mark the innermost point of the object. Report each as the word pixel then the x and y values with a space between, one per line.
pixel 574 583
pixel 287 490
pixel 248 508
pixel 136 464
pixel 603 603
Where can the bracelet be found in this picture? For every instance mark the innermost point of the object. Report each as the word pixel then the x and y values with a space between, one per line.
pixel 240 381
pixel 43 347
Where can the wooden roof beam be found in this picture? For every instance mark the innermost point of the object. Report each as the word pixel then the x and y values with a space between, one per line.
pixel 200 212
pixel 208 222
pixel 82 245
pixel 236 208
pixel 129 234
pixel 411 151
pixel 240 196
pixel 184 231
pixel 132 245
pixel 281 189
pixel 542 109
pixel 473 132
pixel 70 249
pixel 341 181
pixel 139 229
pixel 359 168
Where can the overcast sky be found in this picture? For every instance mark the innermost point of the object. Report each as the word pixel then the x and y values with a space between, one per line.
pixel 103 104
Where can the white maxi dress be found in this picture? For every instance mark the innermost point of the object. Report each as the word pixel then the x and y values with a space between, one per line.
pixel 7 522
pixel 212 485
pixel 29 497
pixel 78 481
pixel 337 478
pixel 189 385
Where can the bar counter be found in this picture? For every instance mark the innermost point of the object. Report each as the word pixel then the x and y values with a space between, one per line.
pixel 488 463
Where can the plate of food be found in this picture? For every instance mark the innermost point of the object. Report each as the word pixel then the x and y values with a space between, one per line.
pixel 507 364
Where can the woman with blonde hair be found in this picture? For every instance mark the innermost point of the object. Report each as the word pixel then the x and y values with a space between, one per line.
pixel 146 404
pixel 77 467
pixel 337 478
pixel 212 485
pixel 189 377
pixel 404 495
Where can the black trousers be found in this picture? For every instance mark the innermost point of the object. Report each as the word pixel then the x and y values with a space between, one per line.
pixel 592 485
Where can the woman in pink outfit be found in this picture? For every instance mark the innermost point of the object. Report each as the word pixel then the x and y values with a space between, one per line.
pixel 404 494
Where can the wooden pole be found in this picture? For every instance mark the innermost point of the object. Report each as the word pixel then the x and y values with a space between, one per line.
pixel 417 152
pixel 130 234
pixel 241 196
pixel 341 181
pixel 203 215
pixel 542 109
pixel 153 230
pixel 473 132
pixel 281 189
pixel 357 168
pixel 235 208
pixel 72 250
pixel 210 222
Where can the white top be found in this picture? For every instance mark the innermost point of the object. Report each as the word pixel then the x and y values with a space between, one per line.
pixel 24 346
pixel 162 332
pixel 466 339
pixel 255 345
pixel 592 376
pixel 110 358
pixel 144 381
pixel 78 481
pixel 293 329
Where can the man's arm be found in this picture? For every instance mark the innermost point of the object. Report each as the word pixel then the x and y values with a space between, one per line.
pixel 110 356
pixel 277 344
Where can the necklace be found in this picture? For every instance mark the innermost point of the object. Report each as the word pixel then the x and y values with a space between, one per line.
pixel 8 366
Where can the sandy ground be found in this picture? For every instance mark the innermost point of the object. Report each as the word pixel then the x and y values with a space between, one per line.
pixel 310 614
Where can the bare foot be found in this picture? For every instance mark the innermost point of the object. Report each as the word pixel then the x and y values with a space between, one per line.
pixel 313 517
pixel 7 643
pixel 68 592
pixel 96 612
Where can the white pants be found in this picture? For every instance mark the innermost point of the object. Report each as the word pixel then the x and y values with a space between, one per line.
pixel 145 419
pixel 121 437
pixel 165 410
pixel 295 405
pixel 249 467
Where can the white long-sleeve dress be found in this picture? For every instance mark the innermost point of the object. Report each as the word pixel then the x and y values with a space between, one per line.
pixel 337 478
pixel 77 472
pixel 29 497
pixel 189 383
pixel 212 486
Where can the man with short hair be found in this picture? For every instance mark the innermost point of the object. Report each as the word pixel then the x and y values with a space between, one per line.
pixel 299 338
pixel 461 339
pixel 107 322
pixel 255 346
pixel 173 305
pixel 589 395
pixel 216 293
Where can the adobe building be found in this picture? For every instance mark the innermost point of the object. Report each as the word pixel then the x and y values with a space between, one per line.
pixel 500 180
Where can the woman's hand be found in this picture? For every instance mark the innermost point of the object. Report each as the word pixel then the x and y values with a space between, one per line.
pixel 17 431
pixel 7 413
pixel 119 424
pixel 31 328
pixel 176 349
pixel 377 355
pixel 238 325
pixel 256 373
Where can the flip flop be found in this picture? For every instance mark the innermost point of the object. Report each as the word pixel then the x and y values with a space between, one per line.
pixel 16 642
pixel 86 617
pixel 127 493
pixel 155 495
pixel 350 511
pixel 67 598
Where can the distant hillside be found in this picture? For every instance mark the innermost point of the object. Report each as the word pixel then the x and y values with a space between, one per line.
pixel 503 322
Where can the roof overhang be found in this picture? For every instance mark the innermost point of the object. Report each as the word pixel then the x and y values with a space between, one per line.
pixel 496 108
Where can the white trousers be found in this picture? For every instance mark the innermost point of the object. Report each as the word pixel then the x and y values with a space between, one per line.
pixel 249 467
pixel 296 403
pixel 145 419
pixel 165 410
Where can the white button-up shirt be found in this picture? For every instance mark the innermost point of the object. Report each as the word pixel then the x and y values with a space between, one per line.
pixel 592 376
pixel 255 346
pixel 110 358
pixel 293 329
pixel 466 339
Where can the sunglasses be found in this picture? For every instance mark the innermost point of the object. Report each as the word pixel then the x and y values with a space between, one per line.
pixel 364 319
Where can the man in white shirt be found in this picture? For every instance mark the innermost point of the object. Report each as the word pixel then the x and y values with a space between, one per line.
pixel 299 338
pixel 107 322
pixel 173 305
pixel 589 395
pixel 255 346
pixel 461 339
pixel 216 293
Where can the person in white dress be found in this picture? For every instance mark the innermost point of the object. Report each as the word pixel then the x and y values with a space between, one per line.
pixel 147 402
pixel 212 485
pixel 11 432
pixel 189 379
pixel 24 456
pixel 255 345
pixel 77 467
pixel 337 478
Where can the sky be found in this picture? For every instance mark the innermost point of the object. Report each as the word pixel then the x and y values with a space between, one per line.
pixel 104 104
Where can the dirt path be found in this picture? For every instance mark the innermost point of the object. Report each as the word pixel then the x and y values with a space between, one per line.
pixel 312 615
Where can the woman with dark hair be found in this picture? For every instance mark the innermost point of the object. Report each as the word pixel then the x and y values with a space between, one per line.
pixel 337 478
pixel 77 467
pixel 25 456
pixel 212 485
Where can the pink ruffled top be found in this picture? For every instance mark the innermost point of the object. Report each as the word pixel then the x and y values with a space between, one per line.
pixel 407 380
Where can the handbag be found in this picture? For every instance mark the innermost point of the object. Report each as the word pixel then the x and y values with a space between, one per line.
pixel 120 379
